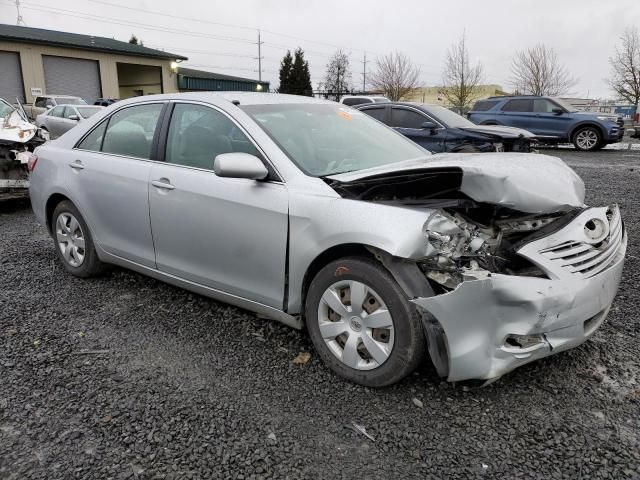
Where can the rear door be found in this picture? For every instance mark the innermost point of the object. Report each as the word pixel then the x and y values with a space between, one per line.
pixel 409 122
pixel 109 178
pixel 229 234
pixel 518 112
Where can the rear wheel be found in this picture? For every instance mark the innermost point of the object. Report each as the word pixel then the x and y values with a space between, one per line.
pixel 587 139
pixel 73 241
pixel 362 324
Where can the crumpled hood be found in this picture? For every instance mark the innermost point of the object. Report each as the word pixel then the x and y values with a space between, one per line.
pixel 500 131
pixel 13 128
pixel 527 182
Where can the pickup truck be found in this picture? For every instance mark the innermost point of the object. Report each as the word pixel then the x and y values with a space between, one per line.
pixel 45 102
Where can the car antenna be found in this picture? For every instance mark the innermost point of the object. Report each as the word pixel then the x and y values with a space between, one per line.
pixel 235 102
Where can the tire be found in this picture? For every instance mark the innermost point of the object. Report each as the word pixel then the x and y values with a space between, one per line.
pixel 587 139
pixel 403 343
pixel 71 234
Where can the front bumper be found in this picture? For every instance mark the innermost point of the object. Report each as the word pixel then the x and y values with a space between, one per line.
pixel 471 329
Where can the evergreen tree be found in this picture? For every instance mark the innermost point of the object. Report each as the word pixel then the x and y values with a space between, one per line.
pixel 285 73
pixel 300 76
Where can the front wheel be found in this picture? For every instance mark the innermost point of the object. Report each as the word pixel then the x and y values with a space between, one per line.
pixel 587 139
pixel 362 324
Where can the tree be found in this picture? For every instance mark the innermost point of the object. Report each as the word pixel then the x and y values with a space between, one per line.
pixel 537 71
pixel 300 76
pixel 294 74
pixel 134 40
pixel 337 80
pixel 625 67
pixel 285 73
pixel 460 78
pixel 395 75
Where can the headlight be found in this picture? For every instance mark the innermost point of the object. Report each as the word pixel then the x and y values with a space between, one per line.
pixel 606 119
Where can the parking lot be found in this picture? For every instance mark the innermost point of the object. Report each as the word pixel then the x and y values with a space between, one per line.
pixel 126 377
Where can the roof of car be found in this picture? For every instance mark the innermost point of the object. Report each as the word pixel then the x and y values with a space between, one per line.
pixel 500 97
pixel 243 98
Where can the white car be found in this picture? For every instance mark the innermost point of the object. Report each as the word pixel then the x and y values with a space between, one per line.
pixel 352 100
pixel 63 118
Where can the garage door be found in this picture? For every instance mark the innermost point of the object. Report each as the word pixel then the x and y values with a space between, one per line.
pixel 11 77
pixel 72 76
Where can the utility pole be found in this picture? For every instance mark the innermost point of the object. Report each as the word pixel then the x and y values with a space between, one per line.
pixel 364 74
pixel 19 20
pixel 260 42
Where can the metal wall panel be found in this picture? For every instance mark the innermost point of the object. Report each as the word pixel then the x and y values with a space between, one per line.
pixel 72 76
pixel 11 85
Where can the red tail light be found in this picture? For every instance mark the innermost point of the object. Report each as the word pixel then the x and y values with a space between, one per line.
pixel 33 161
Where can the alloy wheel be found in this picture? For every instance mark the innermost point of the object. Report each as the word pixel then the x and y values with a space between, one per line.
pixel 587 139
pixel 70 239
pixel 356 325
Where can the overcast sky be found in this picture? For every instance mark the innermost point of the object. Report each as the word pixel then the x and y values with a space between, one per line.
pixel 221 35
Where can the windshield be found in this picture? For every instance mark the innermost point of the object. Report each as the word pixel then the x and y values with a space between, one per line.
pixel 5 109
pixel 86 112
pixel 70 101
pixel 325 139
pixel 447 117
pixel 566 105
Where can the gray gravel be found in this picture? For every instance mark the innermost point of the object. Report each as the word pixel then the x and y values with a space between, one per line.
pixel 126 377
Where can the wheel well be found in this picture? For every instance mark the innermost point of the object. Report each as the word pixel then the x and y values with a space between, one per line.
pixel 583 125
pixel 329 255
pixel 52 203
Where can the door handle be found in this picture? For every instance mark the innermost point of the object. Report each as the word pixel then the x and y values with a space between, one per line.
pixel 77 165
pixel 162 183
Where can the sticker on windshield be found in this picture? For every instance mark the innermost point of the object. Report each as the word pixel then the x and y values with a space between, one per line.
pixel 345 115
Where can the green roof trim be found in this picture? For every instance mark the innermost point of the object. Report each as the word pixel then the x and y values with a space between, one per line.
pixel 41 36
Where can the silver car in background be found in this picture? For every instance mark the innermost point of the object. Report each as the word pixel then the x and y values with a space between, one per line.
pixel 63 118
pixel 312 213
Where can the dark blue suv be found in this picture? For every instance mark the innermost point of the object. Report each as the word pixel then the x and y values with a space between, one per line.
pixel 551 119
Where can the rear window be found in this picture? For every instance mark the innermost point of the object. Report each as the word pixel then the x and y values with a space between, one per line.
pixel 355 101
pixel 484 105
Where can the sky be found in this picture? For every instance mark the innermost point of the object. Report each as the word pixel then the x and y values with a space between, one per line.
pixel 221 36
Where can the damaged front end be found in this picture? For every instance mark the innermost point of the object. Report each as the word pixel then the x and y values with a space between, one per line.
pixel 510 281
pixel 18 139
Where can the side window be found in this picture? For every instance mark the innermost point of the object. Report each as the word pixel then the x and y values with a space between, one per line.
pixel 40 102
pixel 520 105
pixel 56 112
pixel 403 118
pixel 484 105
pixel 69 111
pixel 130 131
pixel 93 141
pixel 543 106
pixel 377 113
pixel 197 134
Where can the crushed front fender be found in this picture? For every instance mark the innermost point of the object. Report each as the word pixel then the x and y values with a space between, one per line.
pixel 486 328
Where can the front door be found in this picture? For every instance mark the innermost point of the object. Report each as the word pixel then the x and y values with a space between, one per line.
pixel 409 123
pixel 226 233
pixel 109 182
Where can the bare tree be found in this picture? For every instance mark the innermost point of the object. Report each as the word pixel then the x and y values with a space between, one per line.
pixel 537 71
pixel 337 80
pixel 395 75
pixel 625 67
pixel 460 78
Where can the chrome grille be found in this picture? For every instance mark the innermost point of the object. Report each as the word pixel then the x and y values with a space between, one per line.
pixel 570 252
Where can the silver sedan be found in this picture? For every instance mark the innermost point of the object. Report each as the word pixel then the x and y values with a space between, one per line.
pixel 315 214
pixel 63 118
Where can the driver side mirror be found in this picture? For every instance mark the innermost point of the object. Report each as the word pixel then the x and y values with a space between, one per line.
pixel 239 165
pixel 75 118
pixel 429 126
pixel 558 111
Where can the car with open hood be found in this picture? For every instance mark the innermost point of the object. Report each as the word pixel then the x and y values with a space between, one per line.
pixel 18 138
pixel 313 214
pixel 439 129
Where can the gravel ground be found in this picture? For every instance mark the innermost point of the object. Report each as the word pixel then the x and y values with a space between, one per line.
pixel 126 377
